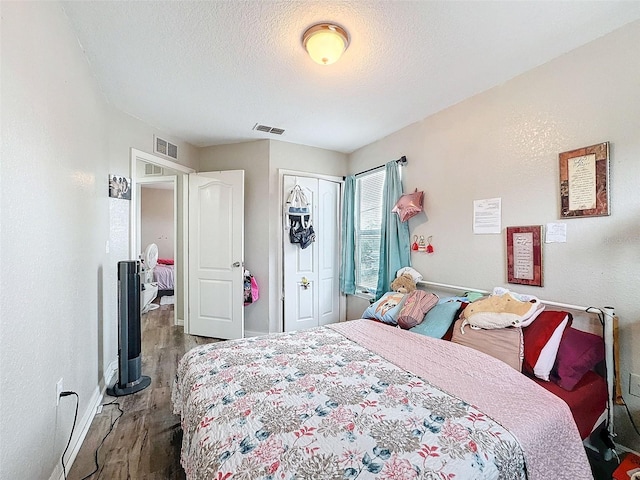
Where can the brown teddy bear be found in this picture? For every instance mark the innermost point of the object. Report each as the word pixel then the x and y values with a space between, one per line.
pixel 403 284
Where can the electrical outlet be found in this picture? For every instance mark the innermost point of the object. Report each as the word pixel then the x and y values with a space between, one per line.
pixel 634 384
pixel 58 391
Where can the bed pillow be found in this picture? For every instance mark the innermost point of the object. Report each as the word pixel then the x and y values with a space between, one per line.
pixel 416 305
pixel 579 353
pixel 502 343
pixel 438 320
pixel 165 261
pixel 387 308
pixel 542 340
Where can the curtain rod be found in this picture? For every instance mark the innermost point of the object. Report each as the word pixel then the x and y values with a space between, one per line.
pixel 401 161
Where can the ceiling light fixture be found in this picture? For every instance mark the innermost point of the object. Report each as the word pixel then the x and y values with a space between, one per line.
pixel 325 42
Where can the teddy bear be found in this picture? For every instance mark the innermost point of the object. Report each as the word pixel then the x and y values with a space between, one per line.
pixel 403 284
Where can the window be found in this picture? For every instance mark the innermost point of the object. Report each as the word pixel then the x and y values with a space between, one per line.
pixel 368 207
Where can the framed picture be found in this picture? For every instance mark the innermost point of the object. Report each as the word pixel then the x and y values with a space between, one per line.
pixel 584 182
pixel 119 187
pixel 524 255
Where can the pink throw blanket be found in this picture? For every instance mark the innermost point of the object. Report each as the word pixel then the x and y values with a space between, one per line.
pixel 541 422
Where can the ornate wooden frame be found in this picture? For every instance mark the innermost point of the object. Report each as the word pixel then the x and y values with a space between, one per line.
pixel 584 182
pixel 524 255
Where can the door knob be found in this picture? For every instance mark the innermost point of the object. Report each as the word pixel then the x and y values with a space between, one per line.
pixel 236 264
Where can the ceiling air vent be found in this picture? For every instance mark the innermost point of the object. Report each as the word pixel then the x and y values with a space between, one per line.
pixel 267 129
pixel 164 147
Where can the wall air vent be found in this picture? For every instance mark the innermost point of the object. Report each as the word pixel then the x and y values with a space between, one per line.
pixel 164 147
pixel 267 129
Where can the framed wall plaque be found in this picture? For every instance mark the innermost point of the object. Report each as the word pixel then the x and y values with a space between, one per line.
pixel 524 255
pixel 584 182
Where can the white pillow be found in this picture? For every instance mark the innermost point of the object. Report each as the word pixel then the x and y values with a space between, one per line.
pixel 549 352
pixel 411 271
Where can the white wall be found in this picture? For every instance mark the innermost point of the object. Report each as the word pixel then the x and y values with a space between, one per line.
pixel 60 141
pixel 505 143
pixel 156 211
pixel 54 228
pixel 125 132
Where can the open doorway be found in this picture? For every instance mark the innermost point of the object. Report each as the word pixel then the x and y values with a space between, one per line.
pixel 150 170
pixel 157 225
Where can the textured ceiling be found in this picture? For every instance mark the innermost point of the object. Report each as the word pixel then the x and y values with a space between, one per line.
pixel 207 72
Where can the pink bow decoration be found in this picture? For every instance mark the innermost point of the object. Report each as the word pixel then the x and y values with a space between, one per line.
pixel 408 205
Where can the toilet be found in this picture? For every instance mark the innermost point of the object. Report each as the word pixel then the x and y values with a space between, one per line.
pixel 149 287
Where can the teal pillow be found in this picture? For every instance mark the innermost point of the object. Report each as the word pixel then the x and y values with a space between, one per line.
pixel 438 320
pixel 387 308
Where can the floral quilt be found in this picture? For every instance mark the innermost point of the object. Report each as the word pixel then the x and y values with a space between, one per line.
pixel 314 405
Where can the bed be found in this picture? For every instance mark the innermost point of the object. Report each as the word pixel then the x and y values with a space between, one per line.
pixel 362 399
pixel 163 274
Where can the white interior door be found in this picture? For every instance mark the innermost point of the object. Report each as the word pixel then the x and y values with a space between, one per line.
pixel 310 283
pixel 328 237
pixel 216 254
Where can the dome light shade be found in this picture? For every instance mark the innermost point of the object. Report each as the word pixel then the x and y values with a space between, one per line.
pixel 325 42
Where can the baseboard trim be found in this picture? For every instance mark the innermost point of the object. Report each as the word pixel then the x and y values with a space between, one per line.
pixel 85 422
pixel 253 333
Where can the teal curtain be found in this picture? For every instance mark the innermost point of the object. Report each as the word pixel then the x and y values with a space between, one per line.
pixel 395 249
pixel 347 266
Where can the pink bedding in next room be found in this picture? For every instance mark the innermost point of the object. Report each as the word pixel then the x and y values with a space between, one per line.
pixel 164 276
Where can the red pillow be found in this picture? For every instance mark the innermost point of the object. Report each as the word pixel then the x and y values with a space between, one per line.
pixel 165 261
pixel 579 353
pixel 542 340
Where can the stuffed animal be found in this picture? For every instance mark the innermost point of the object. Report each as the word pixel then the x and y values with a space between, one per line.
pixel 499 311
pixel 403 284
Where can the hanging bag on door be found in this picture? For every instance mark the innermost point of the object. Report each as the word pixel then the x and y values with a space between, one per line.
pixel 298 207
pixel 299 234
pixel 251 291
pixel 298 211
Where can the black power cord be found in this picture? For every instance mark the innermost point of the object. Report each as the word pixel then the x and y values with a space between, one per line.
pixel 105 437
pixel 635 427
pixel 75 418
pixel 606 436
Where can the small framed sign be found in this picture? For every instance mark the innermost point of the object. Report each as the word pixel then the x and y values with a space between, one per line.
pixel 584 182
pixel 524 255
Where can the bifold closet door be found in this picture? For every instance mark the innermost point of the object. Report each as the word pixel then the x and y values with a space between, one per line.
pixel 311 295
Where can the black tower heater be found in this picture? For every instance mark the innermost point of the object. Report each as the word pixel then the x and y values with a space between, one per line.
pixel 129 379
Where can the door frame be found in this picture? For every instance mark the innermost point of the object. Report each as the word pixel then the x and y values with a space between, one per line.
pixel 181 205
pixel 280 261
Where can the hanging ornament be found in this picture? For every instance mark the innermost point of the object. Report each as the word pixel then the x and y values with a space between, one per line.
pixel 414 246
pixel 429 246
pixel 421 246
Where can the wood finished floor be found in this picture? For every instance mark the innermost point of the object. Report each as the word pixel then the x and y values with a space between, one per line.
pixel 145 442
